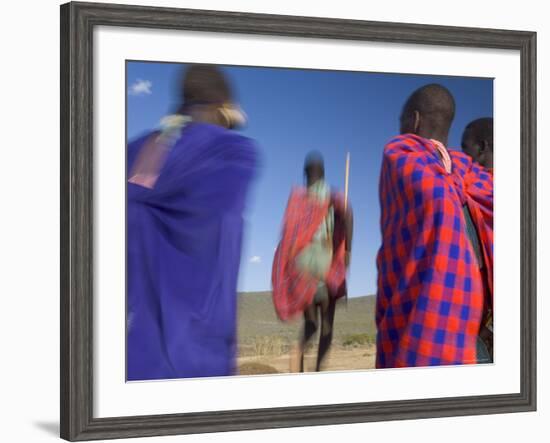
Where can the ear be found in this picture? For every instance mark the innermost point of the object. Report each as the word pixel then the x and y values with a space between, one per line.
pixel 416 124
pixel 482 151
pixel 484 146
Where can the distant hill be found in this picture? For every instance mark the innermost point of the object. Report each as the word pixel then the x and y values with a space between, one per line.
pixel 354 319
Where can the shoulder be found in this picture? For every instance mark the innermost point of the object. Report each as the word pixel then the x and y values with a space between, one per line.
pixel 224 144
pixel 229 140
pixel 141 139
pixel 460 157
pixel 134 146
pixel 220 135
pixel 298 192
pixel 407 149
pixel 465 164
pixel 404 143
pixel 461 161
pixel 338 200
pixel 480 176
pixel 297 200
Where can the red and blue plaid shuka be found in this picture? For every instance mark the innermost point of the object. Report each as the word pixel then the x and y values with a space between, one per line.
pixel 294 289
pixel 431 293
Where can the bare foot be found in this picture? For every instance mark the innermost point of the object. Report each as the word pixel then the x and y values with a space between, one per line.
pixel 295 359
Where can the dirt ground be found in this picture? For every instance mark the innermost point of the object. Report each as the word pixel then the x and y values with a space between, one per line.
pixel 340 358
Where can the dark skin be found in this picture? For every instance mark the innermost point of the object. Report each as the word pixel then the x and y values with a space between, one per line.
pixel 479 148
pixel 204 92
pixel 428 113
pixel 423 126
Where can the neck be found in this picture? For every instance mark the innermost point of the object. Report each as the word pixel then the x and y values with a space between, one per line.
pixel 312 181
pixel 433 135
pixel 433 131
pixel 206 114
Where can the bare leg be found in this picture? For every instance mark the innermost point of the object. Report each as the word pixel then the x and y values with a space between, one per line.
pixel 310 327
pixel 328 308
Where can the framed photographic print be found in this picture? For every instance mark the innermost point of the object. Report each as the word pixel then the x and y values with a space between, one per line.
pixel 273 221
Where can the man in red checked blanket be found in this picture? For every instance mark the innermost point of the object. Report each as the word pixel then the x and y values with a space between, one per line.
pixel 435 264
pixel 477 142
pixel 309 268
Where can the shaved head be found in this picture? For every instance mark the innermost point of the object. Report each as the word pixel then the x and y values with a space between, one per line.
pixel 206 96
pixel 477 141
pixel 314 167
pixel 429 112
pixel 205 84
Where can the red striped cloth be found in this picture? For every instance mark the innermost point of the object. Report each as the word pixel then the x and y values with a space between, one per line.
pixel 293 289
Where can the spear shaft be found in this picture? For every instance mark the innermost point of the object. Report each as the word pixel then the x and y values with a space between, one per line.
pixel 346 185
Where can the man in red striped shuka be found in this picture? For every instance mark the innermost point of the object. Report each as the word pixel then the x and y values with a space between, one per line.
pixel 309 267
pixel 435 264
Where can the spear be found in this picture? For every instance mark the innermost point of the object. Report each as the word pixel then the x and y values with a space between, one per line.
pixel 346 186
pixel 346 190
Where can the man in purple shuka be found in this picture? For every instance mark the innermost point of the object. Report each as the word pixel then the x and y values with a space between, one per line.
pixel 187 185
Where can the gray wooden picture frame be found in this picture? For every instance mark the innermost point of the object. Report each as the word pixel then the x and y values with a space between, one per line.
pixel 78 21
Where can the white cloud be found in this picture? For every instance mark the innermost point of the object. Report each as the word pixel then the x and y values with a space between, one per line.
pixel 255 259
pixel 140 87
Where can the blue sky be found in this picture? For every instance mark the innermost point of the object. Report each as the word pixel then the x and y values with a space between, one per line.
pixel 292 112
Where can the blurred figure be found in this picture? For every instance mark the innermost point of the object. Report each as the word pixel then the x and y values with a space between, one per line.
pixel 309 268
pixel 435 264
pixel 187 186
pixel 477 141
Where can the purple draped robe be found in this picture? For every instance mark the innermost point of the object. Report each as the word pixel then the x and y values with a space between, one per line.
pixel 183 253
